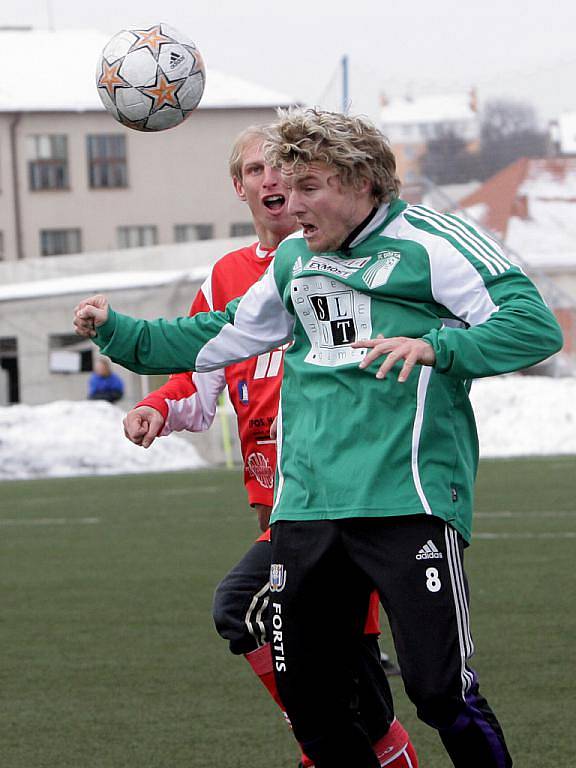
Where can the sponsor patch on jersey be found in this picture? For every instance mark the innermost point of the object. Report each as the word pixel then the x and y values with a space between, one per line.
pixel 379 273
pixel 259 467
pixel 243 395
pixel 340 268
pixel 333 315
pixel 277 578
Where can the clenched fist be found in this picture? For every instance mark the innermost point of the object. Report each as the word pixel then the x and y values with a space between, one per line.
pixel 89 314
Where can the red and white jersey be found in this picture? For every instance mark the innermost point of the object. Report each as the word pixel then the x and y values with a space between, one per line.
pixel 188 400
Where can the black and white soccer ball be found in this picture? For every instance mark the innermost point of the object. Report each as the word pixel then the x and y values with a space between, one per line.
pixel 150 79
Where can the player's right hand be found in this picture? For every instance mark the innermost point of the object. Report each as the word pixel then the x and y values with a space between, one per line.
pixel 89 314
pixel 142 425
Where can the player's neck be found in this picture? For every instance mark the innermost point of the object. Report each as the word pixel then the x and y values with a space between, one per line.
pixel 268 239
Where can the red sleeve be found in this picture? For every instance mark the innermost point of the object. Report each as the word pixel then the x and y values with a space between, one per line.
pixel 179 386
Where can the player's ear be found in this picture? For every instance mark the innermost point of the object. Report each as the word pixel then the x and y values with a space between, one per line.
pixel 239 188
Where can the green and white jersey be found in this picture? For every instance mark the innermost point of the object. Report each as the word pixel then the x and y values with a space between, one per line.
pixel 351 445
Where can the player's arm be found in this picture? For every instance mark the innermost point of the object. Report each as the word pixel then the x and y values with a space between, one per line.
pixel 187 401
pixel 508 325
pixel 249 326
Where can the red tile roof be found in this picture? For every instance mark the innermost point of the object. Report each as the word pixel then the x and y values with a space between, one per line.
pixel 502 197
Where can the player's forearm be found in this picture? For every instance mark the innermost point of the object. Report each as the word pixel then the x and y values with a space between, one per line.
pixel 158 346
pixel 516 337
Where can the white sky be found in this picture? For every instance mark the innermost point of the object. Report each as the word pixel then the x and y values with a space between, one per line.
pixel 523 50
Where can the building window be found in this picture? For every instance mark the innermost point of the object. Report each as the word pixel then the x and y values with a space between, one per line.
pixel 56 242
pixel 242 229
pixel 107 162
pixel 184 233
pixel 135 237
pixel 9 375
pixel 69 354
pixel 48 162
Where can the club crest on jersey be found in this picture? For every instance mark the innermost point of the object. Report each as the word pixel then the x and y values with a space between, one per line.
pixel 277 577
pixel 259 467
pixel 243 392
pixel 379 273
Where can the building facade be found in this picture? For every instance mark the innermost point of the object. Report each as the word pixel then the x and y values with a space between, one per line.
pixel 411 122
pixel 73 179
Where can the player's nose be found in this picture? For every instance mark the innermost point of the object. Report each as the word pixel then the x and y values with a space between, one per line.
pixel 271 177
pixel 295 205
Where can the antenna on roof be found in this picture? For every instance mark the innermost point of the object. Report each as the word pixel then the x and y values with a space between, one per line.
pixel 345 91
pixel 50 15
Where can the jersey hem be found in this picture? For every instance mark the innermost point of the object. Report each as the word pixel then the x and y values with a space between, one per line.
pixel 310 515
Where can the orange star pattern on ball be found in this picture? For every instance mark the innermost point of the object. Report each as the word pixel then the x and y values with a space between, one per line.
pixel 163 92
pixel 150 38
pixel 110 79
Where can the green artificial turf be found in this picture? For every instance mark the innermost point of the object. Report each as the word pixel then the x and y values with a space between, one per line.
pixel 110 659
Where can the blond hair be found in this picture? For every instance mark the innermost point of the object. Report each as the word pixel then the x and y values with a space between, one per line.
pixel 351 145
pixel 246 137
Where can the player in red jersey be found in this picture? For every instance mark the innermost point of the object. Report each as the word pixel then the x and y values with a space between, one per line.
pixel 188 401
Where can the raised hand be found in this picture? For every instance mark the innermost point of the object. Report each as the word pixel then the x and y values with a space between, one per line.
pixel 89 314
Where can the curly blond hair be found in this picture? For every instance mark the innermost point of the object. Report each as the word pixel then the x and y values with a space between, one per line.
pixel 351 145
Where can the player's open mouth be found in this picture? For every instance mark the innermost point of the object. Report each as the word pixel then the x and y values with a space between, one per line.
pixel 309 230
pixel 274 202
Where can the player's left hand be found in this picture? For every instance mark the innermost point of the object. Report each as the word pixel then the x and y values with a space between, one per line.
pixel 412 351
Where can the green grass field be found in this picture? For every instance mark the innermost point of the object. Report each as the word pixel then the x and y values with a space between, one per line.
pixel 110 659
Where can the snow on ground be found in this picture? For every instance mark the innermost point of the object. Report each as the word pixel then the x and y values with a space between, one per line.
pixel 516 416
pixel 63 439
pixel 525 415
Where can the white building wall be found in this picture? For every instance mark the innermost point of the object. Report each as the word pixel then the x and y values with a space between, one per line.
pixel 179 176
pixel 6 189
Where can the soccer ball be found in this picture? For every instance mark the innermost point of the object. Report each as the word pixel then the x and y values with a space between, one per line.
pixel 150 79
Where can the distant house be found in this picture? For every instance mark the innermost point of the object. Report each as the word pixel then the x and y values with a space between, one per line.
pixel 411 122
pixel 72 179
pixel 563 134
pixel 531 207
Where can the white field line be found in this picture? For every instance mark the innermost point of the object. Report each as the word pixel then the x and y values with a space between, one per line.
pixel 526 535
pixel 51 521
pixel 531 513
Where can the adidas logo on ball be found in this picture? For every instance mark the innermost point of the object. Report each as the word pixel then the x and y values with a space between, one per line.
pixel 429 552
pixel 175 59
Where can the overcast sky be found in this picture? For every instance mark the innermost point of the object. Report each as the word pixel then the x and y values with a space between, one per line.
pixel 524 50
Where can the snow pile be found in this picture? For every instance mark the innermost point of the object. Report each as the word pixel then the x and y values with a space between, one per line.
pixel 516 416
pixel 525 415
pixel 64 439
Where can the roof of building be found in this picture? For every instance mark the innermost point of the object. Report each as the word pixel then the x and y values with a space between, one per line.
pixel 428 109
pixel 55 71
pixel 531 206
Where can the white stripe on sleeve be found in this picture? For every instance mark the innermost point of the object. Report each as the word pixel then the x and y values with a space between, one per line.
pixel 261 323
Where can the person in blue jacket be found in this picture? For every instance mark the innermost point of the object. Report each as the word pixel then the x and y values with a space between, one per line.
pixel 104 384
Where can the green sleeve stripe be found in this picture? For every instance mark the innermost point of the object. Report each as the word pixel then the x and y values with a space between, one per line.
pixel 465 241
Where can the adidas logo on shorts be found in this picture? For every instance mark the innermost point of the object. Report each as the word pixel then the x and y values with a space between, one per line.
pixel 429 552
